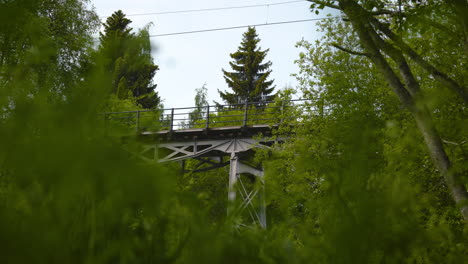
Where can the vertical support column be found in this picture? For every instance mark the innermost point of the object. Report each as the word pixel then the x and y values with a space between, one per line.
pixel 262 203
pixel 207 125
pixel 233 170
pixel 245 113
pixel 182 166
pixel 171 126
pixel 257 210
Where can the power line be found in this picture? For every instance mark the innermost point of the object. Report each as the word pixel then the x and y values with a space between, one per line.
pixel 236 27
pixel 212 9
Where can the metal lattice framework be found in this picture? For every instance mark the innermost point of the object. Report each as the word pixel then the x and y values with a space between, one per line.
pixel 211 134
pixel 194 149
pixel 211 152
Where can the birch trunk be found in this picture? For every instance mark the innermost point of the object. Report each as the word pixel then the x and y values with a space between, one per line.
pixel 409 96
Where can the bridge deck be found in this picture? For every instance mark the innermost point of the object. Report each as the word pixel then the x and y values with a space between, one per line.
pixel 210 133
pixel 240 120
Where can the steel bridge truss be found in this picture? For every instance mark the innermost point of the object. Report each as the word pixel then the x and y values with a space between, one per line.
pixel 216 136
pixel 211 153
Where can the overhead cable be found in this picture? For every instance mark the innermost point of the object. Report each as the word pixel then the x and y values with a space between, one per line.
pixel 212 9
pixel 236 27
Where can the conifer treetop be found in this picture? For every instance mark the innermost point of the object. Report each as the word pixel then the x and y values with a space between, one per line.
pixel 116 26
pixel 249 78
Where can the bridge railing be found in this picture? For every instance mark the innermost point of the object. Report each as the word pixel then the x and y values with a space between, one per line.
pixel 211 116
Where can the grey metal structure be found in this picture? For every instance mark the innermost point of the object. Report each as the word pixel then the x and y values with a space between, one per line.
pixel 212 152
pixel 212 135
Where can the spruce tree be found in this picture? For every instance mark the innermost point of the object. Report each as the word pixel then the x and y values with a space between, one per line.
pixel 116 27
pixel 248 80
pixel 129 61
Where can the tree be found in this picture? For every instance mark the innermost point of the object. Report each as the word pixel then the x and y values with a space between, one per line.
pixel 129 61
pixel 201 102
pixel 61 30
pixel 389 52
pixel 200 112
pixel 116 27
pixel 356 177
pixel 248 81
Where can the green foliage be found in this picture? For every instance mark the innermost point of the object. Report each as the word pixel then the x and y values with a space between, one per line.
pixel 209 187
pixel 198 115
pixel 70 194
pixel 65 196
pixel 248 81
pixel 116 27
pixel 52 36
pixel 128 59
pixel 280 110
pixel 354 185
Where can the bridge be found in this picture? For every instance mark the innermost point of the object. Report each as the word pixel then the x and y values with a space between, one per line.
pixel 215 136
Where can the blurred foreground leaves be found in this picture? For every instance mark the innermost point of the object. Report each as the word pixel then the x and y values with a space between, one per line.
pixel 354 187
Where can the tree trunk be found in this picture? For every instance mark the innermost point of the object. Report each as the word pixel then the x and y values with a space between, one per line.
pixel 373 44
pixel 443 78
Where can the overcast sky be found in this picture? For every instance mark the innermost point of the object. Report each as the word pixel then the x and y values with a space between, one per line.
pixel 188 61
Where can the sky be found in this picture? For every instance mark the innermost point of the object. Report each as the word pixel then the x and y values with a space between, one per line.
pixel 188 61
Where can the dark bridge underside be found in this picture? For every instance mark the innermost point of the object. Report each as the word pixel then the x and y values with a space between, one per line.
pixel 172 137
pixel 209 147
pixel 208 134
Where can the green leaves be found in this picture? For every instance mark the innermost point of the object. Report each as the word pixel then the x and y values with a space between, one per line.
pixel 354 184
pixel 129 60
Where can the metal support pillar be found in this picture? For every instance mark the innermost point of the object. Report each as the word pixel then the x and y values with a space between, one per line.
pixel 251 196
pixel 233 170
pixel 236 168
pixel 262 203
